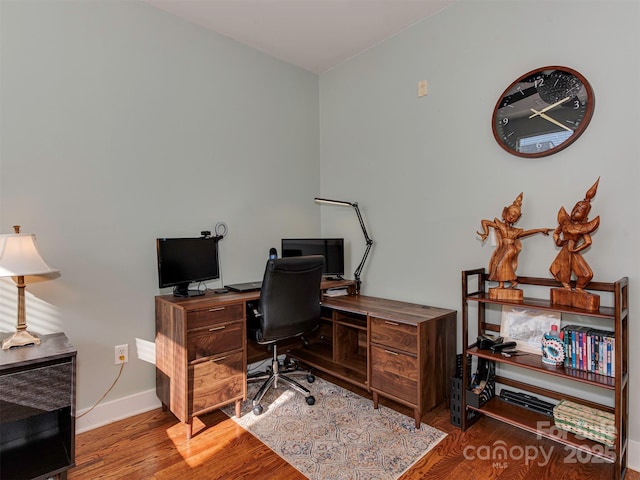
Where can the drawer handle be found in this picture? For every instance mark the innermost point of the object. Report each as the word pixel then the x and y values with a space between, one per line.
pixel 391 353
pixel 217 309
pixel 215 360
pixel 217 328
pixel 393 324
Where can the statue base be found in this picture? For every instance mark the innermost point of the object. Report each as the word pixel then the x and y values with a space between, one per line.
pixel 513 294
pixel 576 299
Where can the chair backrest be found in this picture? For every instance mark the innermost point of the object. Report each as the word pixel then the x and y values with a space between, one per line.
pixel 290 297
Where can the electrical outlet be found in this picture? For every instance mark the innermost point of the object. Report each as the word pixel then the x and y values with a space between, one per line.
pixel 122 354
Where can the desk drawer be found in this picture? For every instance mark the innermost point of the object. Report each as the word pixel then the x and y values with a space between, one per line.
pixel 32 392
pixel 214 340
pixel 394 335
pixel 214 315
pixel 394 373
pixel 216 381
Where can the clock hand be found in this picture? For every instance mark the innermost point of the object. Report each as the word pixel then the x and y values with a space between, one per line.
pixel 549 107
pixel 548 118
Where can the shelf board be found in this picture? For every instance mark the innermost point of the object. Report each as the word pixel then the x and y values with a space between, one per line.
pixel 541 304
pixel 40 456
pixel 319 356
pixel 534 362
pixel 543 426
pixel 362 326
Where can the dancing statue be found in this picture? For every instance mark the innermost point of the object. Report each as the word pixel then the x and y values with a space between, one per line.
pixel 504 261
pixel 573 235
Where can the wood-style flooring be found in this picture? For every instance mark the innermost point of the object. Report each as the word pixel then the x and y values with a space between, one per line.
pixel 153 446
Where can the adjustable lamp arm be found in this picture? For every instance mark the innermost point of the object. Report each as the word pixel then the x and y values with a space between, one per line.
pixel 367 239
pixel 369 242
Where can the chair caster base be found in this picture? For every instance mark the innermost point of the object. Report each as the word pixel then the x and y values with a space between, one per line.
pixel 257 409
pixel 310 400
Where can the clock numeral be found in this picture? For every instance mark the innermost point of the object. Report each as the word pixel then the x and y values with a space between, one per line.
pixel 539 82
pixel 576 104
pixel 504 121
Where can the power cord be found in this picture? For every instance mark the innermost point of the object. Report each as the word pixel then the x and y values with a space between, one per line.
pixel 105 393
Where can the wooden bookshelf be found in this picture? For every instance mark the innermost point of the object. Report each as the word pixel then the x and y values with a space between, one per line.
pixel 474 288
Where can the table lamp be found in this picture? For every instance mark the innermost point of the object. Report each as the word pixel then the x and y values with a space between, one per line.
pixel 19 257
pixel 367 239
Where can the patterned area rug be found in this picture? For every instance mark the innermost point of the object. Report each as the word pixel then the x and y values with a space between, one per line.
pixel 340 437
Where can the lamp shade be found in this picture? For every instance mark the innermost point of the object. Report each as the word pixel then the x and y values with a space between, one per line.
pixel 19 256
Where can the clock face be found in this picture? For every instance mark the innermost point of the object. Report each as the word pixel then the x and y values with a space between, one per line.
pixel 543 112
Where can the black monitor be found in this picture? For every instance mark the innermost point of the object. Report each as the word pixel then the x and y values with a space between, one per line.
pixel 182 261
pixel 331 248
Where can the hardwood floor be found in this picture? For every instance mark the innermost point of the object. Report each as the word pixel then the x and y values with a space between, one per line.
pixel 153 446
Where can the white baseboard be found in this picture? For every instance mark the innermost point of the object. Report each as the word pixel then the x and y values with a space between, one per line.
pixel 115 410
pixel 633 455
pixel 122 408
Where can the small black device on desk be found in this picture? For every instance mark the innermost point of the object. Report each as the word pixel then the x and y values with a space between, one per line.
pixel 486 341
pixel 244 287
pixel 499 347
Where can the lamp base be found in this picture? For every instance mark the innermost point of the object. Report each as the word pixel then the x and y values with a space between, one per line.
pixel 21 338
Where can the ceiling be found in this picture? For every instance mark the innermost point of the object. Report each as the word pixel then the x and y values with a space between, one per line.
pixel 315 35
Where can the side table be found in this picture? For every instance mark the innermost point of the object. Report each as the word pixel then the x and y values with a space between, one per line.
pixel 37 409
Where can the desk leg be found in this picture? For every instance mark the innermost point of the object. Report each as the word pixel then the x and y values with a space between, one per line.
pixel 418 417
pixel 189 429
pixel 238 408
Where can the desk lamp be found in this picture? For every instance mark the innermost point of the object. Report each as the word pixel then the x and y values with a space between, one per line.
pixel 19 257
pixel 367 239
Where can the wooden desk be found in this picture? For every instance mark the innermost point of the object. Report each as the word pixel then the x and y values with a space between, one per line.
pixel 400 350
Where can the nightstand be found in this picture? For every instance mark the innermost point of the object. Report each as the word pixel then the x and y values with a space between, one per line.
pixel 37 409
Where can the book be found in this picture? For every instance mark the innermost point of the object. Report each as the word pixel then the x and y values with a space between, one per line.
pixel 589 349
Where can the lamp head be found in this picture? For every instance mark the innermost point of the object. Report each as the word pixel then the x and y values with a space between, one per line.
pixel 333 202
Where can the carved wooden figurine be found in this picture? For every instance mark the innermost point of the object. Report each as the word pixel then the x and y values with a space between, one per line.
pixel 573 235
pixel 504 261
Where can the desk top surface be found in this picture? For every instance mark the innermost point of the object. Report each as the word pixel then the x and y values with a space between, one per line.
pixel 53 346
pixel 211 298
pixel 387 309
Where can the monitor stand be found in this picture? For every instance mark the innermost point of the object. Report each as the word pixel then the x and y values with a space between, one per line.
pixel 183 291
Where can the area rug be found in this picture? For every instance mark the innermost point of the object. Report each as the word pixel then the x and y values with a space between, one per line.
pixel 341 437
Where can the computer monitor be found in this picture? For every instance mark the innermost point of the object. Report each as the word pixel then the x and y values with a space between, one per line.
pixel 331 248
pixel 182 261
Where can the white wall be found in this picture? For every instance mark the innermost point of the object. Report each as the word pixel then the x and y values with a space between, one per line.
pixel 121 123
pixel 426 171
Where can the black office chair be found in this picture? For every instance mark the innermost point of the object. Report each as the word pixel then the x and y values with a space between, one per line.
pixel 289 307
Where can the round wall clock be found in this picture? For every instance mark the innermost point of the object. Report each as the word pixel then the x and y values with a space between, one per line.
pixel 543 112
